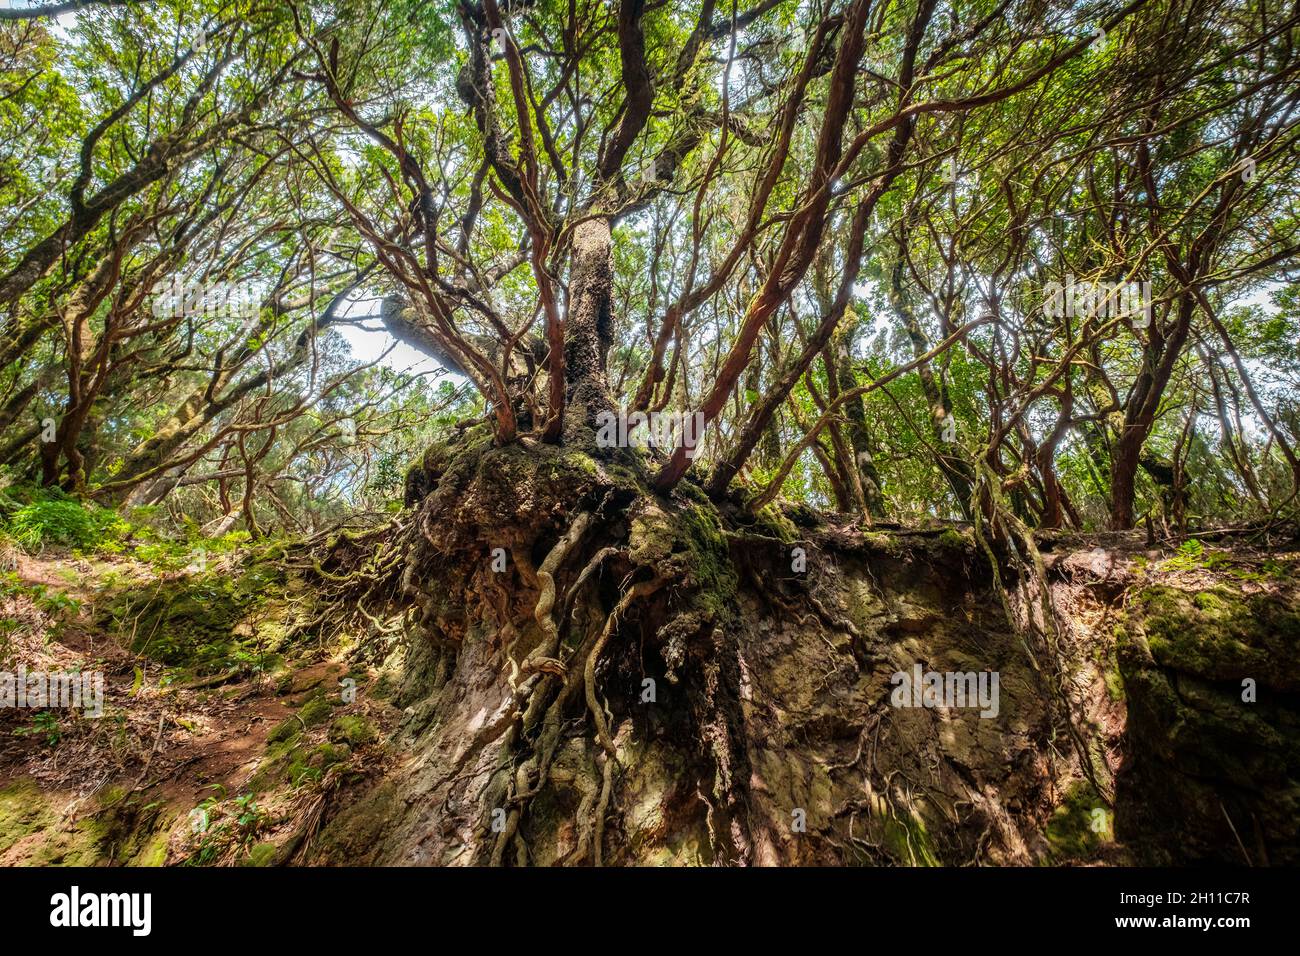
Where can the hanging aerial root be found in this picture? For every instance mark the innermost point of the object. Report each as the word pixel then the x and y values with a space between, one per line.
pixel 511 828
pixel 596 560
pixel 1019 538
pixel 638 590
pixel 550 698
pixel 543 657
pixel 606 785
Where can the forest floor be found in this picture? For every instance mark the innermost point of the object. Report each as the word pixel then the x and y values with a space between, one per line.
pixel 221 730
pixel 233 725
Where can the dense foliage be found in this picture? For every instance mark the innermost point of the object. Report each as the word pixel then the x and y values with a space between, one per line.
pixel 847 233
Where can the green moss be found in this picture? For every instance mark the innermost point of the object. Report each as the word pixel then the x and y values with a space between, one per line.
pixel 352 729
pixel 153 849
pixel 271 772
pixel 908 841
pixel 135 834
pixel 312 683
pixel 25 811
pixel 624 476
pixel 952 540
pixel 1070 832
pixel 316 711
pixel 284 731
pixel 119 832
pixel 310 765
pixel 577 461
pixel 774 523
pixel 1204 728
pixel 439 455
pixel 354 836
pixel 263 854
pixel 1219 634
pixel 709 564
pixel 691 491
pixel 292 759
pixel 652 537
pixel 385 687
pixel 295 762
pixel 1114 681
pixel 85 844
pixel 689 542
pixel 191 623
pixel 1105 657
pixel 1209 602
pixel 882 542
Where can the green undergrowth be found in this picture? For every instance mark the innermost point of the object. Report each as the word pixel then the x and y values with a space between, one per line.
pixel 315 741
pixel 213 611
pixel 222 824
pixel 34 518
pixel 1195 555
pixel 50 600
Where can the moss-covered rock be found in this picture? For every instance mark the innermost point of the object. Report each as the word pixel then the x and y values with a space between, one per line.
pixel 295 762
pixel 23 811
pixel 201 623
pixel 1211 765
pixel 284 731
pixel 352 729
pixel 316 711
pixel 117 830
pixel 1219 634
pixel 355 835
pixel 1078 827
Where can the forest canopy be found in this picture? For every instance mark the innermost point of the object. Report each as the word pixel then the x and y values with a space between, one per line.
pixel 901 260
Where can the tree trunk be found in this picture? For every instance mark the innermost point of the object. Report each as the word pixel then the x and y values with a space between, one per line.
pixel 588 332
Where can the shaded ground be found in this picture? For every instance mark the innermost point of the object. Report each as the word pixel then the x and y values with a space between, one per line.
pixel 220 720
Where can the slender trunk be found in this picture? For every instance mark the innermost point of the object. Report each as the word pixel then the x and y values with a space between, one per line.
pixel 18 403
pixel 19 340
pixel 855 412
pixel 956 470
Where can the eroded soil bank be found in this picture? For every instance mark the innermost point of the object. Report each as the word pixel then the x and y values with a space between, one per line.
pixel 540 663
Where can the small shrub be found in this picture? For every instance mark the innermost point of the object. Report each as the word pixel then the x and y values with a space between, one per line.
pixel 45 724
pixel 55 518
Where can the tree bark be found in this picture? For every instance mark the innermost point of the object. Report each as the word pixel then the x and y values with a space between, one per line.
pixel 587 329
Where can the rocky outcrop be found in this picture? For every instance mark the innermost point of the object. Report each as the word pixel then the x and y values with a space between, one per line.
pixel 1212 676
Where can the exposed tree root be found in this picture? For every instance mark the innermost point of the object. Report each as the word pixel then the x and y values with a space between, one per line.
pixel 1032 583
pixel 525 683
